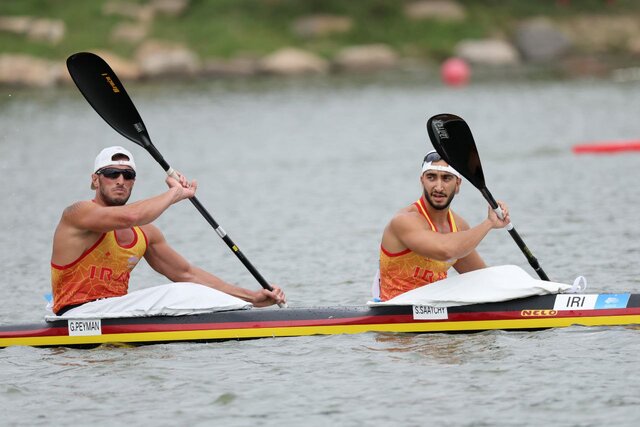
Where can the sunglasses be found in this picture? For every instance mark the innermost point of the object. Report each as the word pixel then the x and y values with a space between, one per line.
pixel 433 156
pixel 113 173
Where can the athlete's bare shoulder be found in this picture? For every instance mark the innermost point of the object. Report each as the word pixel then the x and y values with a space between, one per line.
pixel 406 218
pixel 408 211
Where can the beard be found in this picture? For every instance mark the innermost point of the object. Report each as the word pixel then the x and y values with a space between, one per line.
pixel 114 201
pixel 439 207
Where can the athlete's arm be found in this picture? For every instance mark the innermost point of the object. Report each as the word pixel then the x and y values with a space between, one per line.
pixel 473 261
pixel 410 231
pixel 430 244
pixel 166 261
pixel 91 216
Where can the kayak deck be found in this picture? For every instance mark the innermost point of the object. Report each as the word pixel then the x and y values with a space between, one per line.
pixel 531 313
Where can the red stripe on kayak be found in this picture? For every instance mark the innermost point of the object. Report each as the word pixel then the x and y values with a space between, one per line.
pixel 39 332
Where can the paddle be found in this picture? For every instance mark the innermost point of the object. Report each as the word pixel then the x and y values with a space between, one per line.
pixel 452 139
pixel 106 94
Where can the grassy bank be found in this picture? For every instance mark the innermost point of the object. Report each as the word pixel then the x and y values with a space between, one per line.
pixel 225 28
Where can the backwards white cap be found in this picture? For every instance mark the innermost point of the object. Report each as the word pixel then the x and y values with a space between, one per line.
pixel 105 158
pixel 433 156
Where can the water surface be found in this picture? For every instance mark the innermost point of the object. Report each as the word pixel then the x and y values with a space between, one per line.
pixel 303 175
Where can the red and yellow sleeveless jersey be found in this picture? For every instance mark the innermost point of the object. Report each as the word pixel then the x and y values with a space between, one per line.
pixel 403 271
pixel 102 271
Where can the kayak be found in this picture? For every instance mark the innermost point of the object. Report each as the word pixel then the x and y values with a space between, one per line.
pixel 530 313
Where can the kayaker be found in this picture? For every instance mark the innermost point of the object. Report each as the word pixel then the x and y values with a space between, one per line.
pixel 423 240
pixel 98 242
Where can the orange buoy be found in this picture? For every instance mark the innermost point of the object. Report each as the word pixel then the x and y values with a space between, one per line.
pixel 606 147
pixel 455 72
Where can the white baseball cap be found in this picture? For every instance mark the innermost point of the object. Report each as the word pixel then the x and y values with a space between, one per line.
pixel 105 158
pixel 433 156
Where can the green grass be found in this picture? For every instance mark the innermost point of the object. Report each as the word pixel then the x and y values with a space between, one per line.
pixel 225 28
pixel 85 26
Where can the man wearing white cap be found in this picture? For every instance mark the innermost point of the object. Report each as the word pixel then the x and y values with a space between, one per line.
pixel 98 242
pixel 423 240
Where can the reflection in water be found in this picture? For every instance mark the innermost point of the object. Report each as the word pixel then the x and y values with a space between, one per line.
pixel 450 349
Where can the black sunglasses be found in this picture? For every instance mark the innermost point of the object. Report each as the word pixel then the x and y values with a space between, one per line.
pixel 432 157
pixel 113 173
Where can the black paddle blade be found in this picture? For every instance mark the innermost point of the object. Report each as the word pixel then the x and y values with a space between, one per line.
pixel 452 139
pixel 104 91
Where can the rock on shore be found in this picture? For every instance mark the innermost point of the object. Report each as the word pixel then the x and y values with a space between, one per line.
pixel 24 70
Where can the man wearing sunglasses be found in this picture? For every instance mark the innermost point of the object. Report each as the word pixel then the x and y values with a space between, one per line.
pixel 97 243
pixel 423 240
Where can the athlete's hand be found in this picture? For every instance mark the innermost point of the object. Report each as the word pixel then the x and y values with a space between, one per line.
pixel 495 220
pixel 188 188
pixel 265 297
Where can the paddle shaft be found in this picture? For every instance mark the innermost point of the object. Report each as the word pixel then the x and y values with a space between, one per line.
pixel 148 145
pixel 533 262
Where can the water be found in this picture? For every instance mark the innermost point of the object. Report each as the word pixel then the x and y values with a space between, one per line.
pixel 303 175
